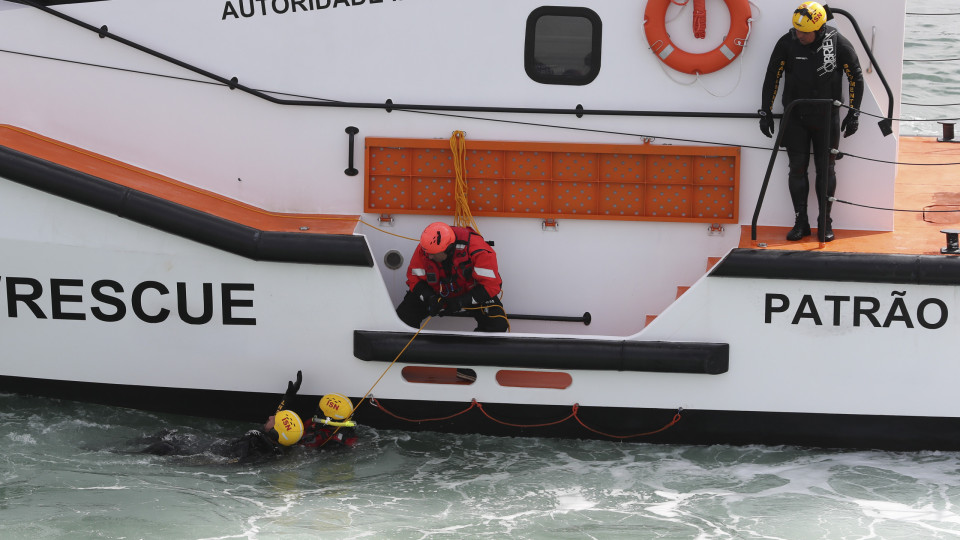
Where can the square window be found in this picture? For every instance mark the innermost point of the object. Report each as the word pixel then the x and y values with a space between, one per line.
pixel 563 45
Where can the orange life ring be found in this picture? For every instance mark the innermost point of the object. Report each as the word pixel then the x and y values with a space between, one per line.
pixel 655 26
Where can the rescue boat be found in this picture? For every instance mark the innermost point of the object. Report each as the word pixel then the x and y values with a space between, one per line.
pixel 200 197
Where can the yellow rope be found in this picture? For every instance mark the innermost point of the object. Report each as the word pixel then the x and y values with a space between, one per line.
pixel 374 227
pixel 462 216
pixel 365 396
pixel 382 375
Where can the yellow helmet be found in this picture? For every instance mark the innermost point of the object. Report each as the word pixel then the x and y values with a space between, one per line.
pixel 336 406
pixel 288 426
pixel 809 17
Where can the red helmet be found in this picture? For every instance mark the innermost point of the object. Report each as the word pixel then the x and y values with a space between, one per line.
pixel 437 237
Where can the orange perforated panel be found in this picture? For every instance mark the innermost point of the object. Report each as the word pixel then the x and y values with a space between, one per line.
pixel 432 194
pixel 575 197
pixel 623 168
pixel 524 197
pixel 485 163
pixel 621 200
pixel 432 162
pixel 582 181
pixel 669 201
pixel 389 193
pixel 529 165
pixel 486 195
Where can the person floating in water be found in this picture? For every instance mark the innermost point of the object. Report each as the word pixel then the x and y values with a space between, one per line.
pixel 329 427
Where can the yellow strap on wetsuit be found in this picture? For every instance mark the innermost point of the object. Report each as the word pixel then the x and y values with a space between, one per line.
pixel 334 423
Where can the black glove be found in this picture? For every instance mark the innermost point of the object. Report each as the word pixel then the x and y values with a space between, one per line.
pixel 453 305
pixel 850 124
pixel 479 294
pixel 429 297
pixel 766 122
pixel 434 304
pixel 292 388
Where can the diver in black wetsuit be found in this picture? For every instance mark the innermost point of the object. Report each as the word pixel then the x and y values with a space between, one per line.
pixel 282 430
pixel 815 58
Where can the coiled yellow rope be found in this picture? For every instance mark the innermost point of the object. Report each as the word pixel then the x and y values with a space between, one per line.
pixel 462 216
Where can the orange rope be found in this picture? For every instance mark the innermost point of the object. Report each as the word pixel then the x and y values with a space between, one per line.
pixel 676 418
pixel 375 403
pixel 573 414
pixel 569 416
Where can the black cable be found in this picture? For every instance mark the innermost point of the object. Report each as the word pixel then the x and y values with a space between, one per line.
pixel 930 104
pixel 931 60
pixel 151 74
pixel 447 115
pixel 500 120
pixel 936 14
pixel 843 154
pixel 865 113
pixel 834 199
pixel 911 119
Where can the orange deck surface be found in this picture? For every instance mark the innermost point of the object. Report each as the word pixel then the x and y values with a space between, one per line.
pixel 172 190
pixel 917 187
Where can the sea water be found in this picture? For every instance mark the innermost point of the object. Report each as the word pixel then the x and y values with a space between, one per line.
pixel 70 470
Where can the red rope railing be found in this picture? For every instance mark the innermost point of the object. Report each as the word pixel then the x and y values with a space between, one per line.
pixel 573 414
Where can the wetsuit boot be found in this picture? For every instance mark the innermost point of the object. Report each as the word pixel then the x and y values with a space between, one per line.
pixel 801 227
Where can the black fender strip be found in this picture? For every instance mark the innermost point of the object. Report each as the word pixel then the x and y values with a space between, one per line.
pixel 836 266
pixel 543 353
pixel 190 223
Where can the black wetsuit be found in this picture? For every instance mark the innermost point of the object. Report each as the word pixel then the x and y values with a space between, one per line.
pixel 253 446
pixel 814 71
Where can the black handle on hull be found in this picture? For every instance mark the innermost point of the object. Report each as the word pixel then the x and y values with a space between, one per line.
pixel 586 318
pixel 351 170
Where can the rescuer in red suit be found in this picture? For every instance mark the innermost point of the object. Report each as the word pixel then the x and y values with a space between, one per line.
pixel 453 269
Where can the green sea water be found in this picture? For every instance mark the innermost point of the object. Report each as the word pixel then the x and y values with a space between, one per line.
pixel 72 470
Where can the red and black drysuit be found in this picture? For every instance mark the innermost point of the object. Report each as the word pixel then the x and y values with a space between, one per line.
pixel 813 71
pixel 318 435
pixel 468 278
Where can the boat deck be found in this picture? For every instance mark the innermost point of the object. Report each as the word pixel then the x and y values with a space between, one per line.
pixel 166 188
pixel 917 188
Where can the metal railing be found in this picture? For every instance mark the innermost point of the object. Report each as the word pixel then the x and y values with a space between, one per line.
pixel 886 124
pixel 822 166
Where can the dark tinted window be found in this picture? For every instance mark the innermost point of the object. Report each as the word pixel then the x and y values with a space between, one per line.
pixel 563 45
